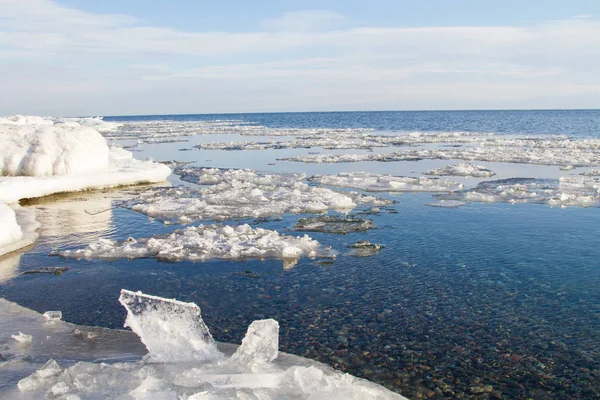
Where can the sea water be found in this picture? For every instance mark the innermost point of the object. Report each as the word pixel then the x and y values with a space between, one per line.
pixel 481 301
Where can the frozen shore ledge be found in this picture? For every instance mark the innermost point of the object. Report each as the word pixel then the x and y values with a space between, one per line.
pixel 66 361
pixel 43 156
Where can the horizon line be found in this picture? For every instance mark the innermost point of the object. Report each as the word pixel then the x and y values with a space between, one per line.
pixel 338 111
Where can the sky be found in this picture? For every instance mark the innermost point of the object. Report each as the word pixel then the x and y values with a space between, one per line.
pixel 131 57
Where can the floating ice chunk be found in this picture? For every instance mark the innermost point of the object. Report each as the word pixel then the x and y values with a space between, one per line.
pixel 171 330
pixel 567 191
pixel 463 169
pixel 364 248
pixel 235 194
pixel 334 224
pixel 261 343
pixel 385 183
pixel 206 242
pixel 22 338
pixel 576 156
pixel 52 316
pixel 447 203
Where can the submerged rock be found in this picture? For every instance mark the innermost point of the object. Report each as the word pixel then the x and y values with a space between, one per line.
pixel 334 224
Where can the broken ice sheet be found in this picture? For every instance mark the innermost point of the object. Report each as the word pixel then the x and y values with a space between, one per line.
pixel 462 169
pixel 386 183
pixel 236 194
pixel 169 327
pixel 205 242
pixel 567 191
pixel 334 224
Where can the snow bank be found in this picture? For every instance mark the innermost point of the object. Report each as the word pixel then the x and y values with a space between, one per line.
pixel 33 146
pixel 566 191
pixel 385 183
pixel 235 194
pixel 18 228
pixel 255 371
pixel 123 169
pixel 463 169
pixel 206 242
pixel 40 156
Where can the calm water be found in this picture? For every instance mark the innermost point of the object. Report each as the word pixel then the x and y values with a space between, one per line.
pixel 483 301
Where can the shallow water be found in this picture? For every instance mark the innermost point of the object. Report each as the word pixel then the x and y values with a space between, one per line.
pixel 481 301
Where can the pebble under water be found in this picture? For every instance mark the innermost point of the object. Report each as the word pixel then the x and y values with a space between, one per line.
pixel 483 301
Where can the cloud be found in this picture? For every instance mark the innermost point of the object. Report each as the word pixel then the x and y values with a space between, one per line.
pixel 304 21
pixel 95 64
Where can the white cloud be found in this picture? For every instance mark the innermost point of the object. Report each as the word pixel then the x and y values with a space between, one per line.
pixel 305 21
pixel 115 64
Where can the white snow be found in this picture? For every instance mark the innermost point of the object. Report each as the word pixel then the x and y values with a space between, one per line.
pixel 206 242
pixel 462 169
pixel 385 183
pixel 256 370
pixel 40 156
pixel 33 147
pixel 18 228
pixel 235 194
pixel 11 231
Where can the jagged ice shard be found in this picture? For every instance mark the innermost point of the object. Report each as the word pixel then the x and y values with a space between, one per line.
pixel 171 330
pixel 184 363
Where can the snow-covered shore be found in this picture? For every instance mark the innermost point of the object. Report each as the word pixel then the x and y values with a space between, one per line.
pixel 40 156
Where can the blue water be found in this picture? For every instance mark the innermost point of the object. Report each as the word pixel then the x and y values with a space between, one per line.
pixel 576 123
pixel 484 301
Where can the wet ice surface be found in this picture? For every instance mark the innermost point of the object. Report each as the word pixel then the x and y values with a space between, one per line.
pixel 567 191
pixel 204 242
pixel 183 361
pixel 236 194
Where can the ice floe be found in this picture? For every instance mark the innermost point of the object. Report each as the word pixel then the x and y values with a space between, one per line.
pixel 205 242
pixel 385 183
pixel 463 169
pixel 235 194
pixel 567 191
pixel 254 370
pixel 577 156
